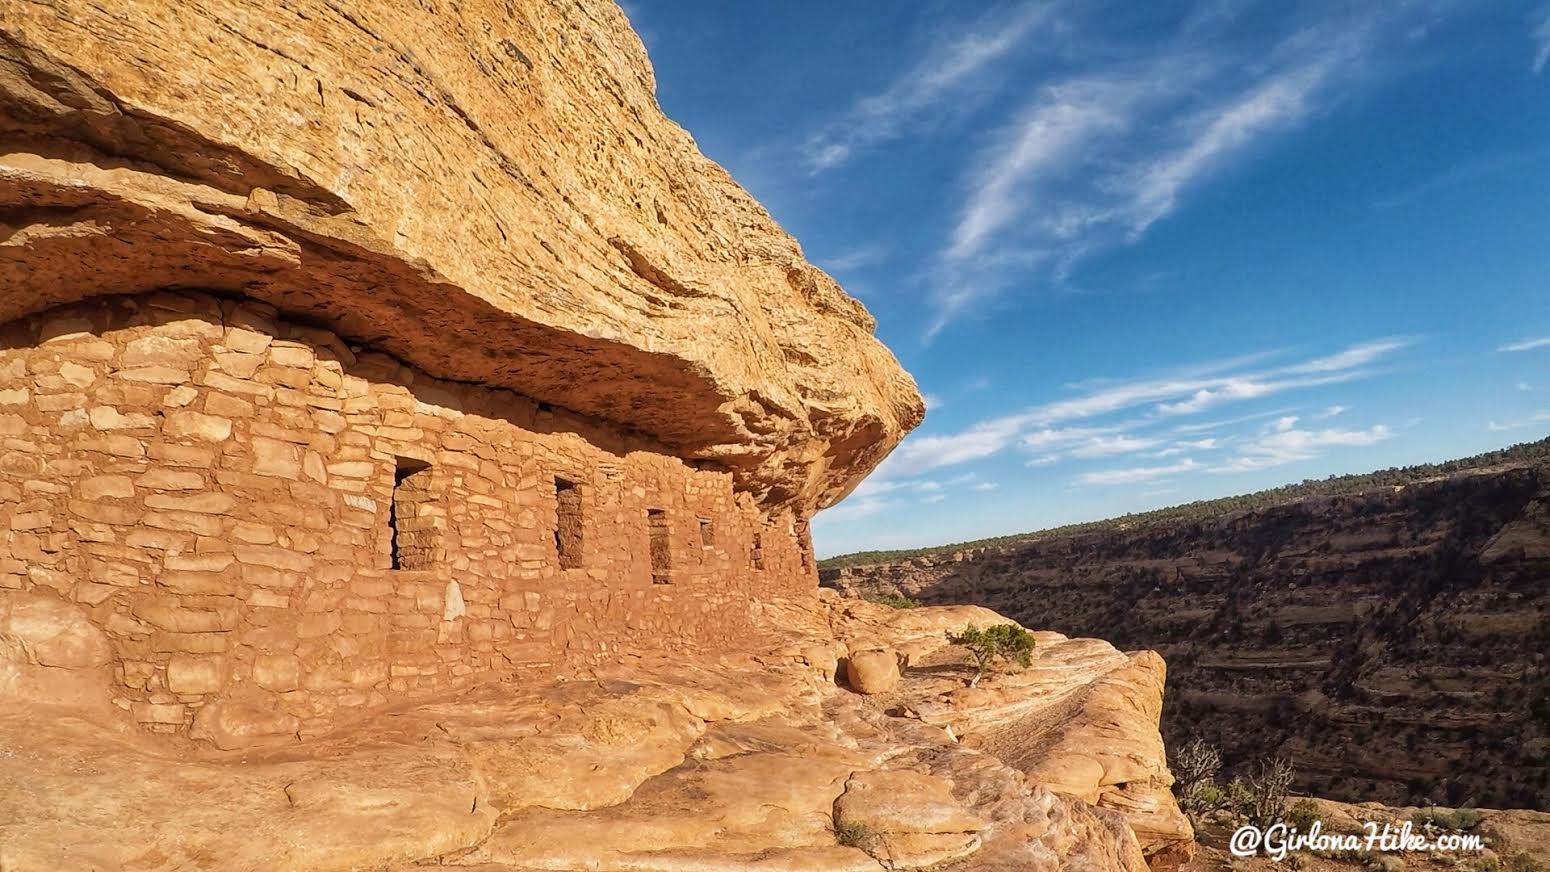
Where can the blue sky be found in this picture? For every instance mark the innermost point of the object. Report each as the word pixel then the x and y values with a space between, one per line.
pixel 1137 254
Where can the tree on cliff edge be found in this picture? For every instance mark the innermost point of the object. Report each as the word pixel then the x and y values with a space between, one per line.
pixel 989 644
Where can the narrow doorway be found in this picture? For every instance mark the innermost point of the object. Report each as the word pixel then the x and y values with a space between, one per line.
pixel 661 561
pixel 411 542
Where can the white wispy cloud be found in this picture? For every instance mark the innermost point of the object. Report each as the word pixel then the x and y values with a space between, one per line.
pixel 1360 354
pixel 1283 442
pixel 1064 119
pixel 1280 101
pixel 1207 426
pixel 1094 159
pixel 1184 447
pixel 1133 474
pixel 1541 37
pixel 1536 418
pixel 943 71
pixel 1462 173
pixel 1057 429
pixel 1527 344
pixel 1105 446
pixel 854 258
pixel 1332 411
pixel 854 508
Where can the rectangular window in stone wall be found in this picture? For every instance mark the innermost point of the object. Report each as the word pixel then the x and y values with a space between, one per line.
pixel 661 562
pixel 707 533
pixel 567 527
pixel 756 553
pixel 410 516
pixel 804 544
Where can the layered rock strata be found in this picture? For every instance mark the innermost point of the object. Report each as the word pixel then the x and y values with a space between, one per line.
pixel 486 190
pixel 746 762
pixel 1391 642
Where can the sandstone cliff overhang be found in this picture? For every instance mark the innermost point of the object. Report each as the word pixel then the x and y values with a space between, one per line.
pixel 487 190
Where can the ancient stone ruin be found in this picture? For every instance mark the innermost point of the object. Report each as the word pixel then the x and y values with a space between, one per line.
pixel 433 386
pixel 408 441
pixel 261 516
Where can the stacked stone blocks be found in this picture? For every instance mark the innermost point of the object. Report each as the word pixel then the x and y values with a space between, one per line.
pixel 228 495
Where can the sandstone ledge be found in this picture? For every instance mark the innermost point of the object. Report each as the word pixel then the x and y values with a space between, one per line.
pixel 749 762
pixel 488 191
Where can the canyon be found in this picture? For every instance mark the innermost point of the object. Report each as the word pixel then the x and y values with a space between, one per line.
pixel 1389 639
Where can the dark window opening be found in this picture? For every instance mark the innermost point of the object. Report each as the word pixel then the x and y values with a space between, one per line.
pixel 805 545
pixel 411 527
pixel 707 533
pixel 567 525
pixel 756 553
pixel 661 562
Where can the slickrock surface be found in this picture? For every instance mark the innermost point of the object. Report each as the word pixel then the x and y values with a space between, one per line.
pixel 750 762
pixel 484 189
pixel 1392 642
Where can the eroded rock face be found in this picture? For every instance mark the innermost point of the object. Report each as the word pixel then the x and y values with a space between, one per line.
pixel 1340 631
pixel 487 191
pixel 755 761
pixel 872 671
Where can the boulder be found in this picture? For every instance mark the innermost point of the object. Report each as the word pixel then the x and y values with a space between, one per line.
pixel 52 632
pixel 875 671
pixel 902 801
pixel 230 724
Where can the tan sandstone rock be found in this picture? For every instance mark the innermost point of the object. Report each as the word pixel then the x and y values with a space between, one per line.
pixel 751 762
pixel 52 632
pixel 901 801
pixel 875 671
pixel 487 190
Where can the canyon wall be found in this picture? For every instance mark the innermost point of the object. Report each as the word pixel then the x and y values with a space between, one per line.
pixel 1391 642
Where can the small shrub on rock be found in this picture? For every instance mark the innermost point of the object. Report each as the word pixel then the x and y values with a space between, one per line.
pixel 1303 814
pixel 1194 771
pixel 896 601
pixel 1261 799
pixel 1453 819
pixel 853 835
pixel 989 644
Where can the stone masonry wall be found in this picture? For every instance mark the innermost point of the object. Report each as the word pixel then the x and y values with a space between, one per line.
pixel 216 487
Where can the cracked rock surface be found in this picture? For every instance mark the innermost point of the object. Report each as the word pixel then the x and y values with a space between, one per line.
pixel 747 762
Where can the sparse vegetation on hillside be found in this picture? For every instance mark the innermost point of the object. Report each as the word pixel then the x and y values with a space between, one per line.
pixel 895 601
pixel 1516 455
pixel 1258 799
pixel 1194 771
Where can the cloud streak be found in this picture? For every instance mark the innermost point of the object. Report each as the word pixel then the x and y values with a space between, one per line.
pixel 1134 474
pixel 1052 430
pixel 1526 345
pixel 1095 159
pixel 1541 37
pixel 1283 442
pixel 943 71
